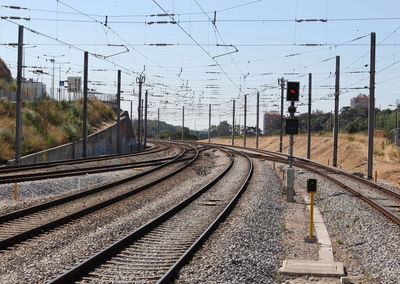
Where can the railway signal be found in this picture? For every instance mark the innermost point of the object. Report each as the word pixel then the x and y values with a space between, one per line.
pixel 311 189
pixel 292 128
pixel 293 91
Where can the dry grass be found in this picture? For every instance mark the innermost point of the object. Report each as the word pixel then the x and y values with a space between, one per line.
pixel 46 124
pixel 352 152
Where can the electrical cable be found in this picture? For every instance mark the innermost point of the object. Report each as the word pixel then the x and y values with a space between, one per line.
pixel 201 47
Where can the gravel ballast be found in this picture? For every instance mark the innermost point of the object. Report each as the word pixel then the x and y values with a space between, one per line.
pixel 34 192
pixel 246 248
pixel 365 240
pixel 48 255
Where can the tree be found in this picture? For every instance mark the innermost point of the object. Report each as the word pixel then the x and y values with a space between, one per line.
pixel 224 128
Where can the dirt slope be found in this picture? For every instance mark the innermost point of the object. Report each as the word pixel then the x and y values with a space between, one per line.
pixel 352 152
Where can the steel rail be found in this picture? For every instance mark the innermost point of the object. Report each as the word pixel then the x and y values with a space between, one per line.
pixel 60 221
pixel 369 201
pixel 356 178
pixel 46 205
pixel 170 274
pixel 316 164
pixel 80 270
pixel 152 150
pixel 80 171
pixel 299 162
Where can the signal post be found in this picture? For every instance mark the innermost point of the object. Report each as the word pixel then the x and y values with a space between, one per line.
pixel 292 128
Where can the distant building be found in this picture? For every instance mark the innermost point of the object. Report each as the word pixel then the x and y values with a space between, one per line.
pixel 32 90
pixel 270 119
pixel 361 101
pixel 74 84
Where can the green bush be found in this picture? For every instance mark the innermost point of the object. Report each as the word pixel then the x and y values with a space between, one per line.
pixel 71 131
pixel 7 135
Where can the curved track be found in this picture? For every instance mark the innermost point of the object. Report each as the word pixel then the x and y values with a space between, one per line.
pixel 333 174
pixel 12 169
pixel 16 178
pixel 155 251
pixel 26 223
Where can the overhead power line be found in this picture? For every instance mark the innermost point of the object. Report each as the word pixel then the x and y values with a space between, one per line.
pixel 201 47
pixel 128 15
pixel 118 35
pixel 222 20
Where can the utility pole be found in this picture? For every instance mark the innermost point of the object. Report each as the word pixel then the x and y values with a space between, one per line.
pixel 18 94
pixel 245 120
pixel 52 60
pixel 281 82
pixel 258 117
pixel 183 122
pixel 209 123
pixel 145 120
pixel 52 81
pixel 139 80
pixel 158 123
pixel 336 120
pixel 371 107
pixel 309 116
pixel 59 83
pixel 119 112
pixel 397 125
pixel 131 111
pixel 142 123
pixel 60 92
pixel 85 104
pixel 233 124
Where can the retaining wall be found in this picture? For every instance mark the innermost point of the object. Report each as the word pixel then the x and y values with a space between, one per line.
pixel 100 143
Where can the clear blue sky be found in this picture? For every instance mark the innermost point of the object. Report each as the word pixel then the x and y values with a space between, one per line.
pixel 269 40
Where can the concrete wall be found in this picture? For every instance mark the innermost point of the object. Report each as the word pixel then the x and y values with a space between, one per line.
pixel 99 143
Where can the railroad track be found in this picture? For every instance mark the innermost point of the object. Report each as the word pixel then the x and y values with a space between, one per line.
pixel 155 251
pixel 159 147
pixel 379 200
pixel 17 178
pixel 26 223
pixel 380 203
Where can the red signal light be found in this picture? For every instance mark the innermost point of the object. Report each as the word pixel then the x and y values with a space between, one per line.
pixel 293 89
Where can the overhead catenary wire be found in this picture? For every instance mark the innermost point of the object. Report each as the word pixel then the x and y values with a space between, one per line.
pixel 223 91
pixel 115 33
pixel 124 69
pixel 201 47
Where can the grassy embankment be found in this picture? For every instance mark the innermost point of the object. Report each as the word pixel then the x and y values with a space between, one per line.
pixel 48 123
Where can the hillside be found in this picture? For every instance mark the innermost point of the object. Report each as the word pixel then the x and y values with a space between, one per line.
pixel 47 123
pixel 352 152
